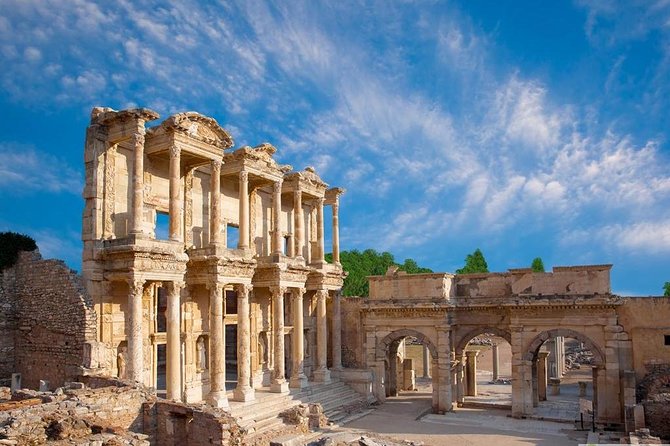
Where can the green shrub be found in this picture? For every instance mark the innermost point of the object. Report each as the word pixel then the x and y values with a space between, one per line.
pixel 10 245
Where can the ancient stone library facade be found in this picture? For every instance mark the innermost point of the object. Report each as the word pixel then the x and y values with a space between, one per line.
pixel 204 276
pixel 238 280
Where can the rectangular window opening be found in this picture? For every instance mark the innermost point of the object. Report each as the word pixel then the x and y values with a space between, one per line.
pixel 667 339
pixel 287 240
pixel 231 302
pixel 232 236
pixel 161 309
pixel 162 225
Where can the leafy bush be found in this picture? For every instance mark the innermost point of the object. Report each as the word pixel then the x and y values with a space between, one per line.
pixel 10 245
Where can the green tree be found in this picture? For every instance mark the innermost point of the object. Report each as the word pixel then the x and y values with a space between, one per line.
pixel 10 245
pixel 537 265
pixel 666 289
pixel 474 263
pixel 359 265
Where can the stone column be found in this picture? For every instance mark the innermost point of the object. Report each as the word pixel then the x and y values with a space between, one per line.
pixel 336 233
pixel 472 372
pixel 321 374
pixel 173 316
pixel 136 215
pixel 298 222
pixel 460 384
pixel 134 331
pixel 426 362
pixel 243 241
pixel 496 362
pixel 176 203
pixel 217 352
pixel 336 340
pixel 556 352
pixel 276 217
pixel 279 384
pixel 243 391
pixel 319 231
pixel 542 375
pixel 215 203
pixel 298 378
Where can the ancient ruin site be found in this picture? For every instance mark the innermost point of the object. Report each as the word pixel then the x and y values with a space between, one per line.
pixel 209 311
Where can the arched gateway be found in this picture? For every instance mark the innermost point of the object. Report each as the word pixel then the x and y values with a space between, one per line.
pixel 444 312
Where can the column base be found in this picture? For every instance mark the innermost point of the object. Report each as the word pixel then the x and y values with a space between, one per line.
pixel 298 382
pixel 322 376
pixel 244 394
pixel 279 386
pixel 218 399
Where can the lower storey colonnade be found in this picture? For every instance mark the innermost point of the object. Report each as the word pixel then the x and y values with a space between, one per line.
pixel 264 321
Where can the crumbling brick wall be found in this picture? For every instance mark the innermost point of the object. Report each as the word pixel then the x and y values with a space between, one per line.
pixel 653 392
pixel 8 328
pixel 54 325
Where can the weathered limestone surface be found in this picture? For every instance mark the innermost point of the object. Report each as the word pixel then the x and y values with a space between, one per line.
pixel 77 412
pixel 174 207
pixel 51 322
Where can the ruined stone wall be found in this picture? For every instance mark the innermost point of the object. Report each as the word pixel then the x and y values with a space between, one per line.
pixel 54 324
pixel 8 327
pixel 74 413
pixel 653 393
pixel 353 347
pixel 647 322
pixel 174 424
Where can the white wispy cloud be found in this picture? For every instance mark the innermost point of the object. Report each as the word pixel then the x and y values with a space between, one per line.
pixel 23 168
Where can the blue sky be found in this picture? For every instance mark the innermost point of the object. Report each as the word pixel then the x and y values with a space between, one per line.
pixel 523 128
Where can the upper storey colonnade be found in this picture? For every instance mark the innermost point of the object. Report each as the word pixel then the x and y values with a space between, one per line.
pixel 173 168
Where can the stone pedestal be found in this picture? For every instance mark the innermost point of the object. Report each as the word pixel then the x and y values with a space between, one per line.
pixel 16 382
pixel 555 386
pixel 582 388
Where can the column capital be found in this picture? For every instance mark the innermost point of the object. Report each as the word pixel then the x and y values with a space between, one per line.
pixel 299 292
pixel 243 289
pixel 218 286
pixel 278 291
pixel 138 137
pixel 216 165
pixel 244 175
pixel 276 186
pixel 321 294
pixel 175 151
pixel 319 201
pixel 177 285
pixel 136 285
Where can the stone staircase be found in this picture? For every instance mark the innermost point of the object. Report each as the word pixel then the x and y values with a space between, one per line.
pixel 338 400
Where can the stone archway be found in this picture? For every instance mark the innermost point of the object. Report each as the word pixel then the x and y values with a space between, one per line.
pixel 385 343
pixel 464 374
pixel 525 394
pixel 386 350
pixel 535 344
pixel 463 342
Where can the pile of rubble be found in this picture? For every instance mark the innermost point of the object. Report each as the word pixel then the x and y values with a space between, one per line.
pixel 576 356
